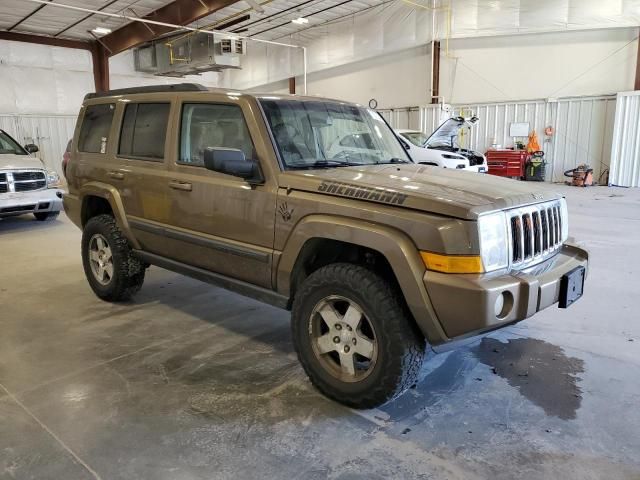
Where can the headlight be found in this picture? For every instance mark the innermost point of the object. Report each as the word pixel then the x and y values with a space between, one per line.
pixel 564 216
pixel 452 157
pixel 53 179
pixel 494 245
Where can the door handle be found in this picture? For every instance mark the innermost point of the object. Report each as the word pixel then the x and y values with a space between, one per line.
pixel 186 186
pixel 116 175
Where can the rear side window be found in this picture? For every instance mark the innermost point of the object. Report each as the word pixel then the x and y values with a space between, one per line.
pixel 96 124
pixel 144 129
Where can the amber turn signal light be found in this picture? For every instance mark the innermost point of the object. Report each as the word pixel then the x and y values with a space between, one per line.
pixel 452 263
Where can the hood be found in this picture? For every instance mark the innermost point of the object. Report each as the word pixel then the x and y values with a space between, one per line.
pixel 444 133
pixel 431 189
pixel 17 162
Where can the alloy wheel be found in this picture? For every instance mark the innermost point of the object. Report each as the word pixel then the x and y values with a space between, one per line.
pixel 343 339
pixel 101 259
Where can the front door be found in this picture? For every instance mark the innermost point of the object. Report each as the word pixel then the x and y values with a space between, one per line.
pixel 219 222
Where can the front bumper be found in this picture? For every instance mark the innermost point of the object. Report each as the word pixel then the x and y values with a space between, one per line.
pixel 19 203
pixel 466 304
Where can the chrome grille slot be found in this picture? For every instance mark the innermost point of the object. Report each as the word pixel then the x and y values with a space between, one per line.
pixel 535 232
pixel 22 180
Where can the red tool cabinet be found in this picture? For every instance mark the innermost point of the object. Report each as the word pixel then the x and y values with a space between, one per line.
pixel 507 163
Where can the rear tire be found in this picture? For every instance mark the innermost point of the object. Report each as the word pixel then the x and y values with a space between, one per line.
pixel 46 216
pixel 112 270
pixel 354 336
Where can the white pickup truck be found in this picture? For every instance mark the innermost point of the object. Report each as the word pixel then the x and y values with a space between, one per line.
pixel 26 186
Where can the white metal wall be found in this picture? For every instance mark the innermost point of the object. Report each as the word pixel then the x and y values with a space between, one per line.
pixel 625 151
pixel 51 134
pixel 583 128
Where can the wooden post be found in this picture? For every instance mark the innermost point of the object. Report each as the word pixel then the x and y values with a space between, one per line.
pixel 292 85
pixel 637 83
pixel 435 71
pixel 100 67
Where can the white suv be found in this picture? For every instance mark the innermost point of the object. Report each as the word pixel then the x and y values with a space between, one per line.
pixel 441 147
pixel 26 186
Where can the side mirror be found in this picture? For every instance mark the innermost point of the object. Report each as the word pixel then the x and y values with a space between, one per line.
pixel 31 148
pixel 232 161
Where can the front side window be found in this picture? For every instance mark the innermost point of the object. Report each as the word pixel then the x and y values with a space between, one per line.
pixel 212 126
pixel 315 134
pixel 96 125
pixel 9 146
pixel 144 129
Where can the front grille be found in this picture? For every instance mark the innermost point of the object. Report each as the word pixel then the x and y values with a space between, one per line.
pixel 535 232
pixel 22 181
pixel 475 160
pixel 30 185
pixel 26 176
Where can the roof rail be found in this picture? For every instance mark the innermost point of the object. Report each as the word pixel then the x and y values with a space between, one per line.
pixel 177 87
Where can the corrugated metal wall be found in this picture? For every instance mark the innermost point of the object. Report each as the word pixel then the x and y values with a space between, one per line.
pixel 51 133
pixel 583 128
pixel 625 151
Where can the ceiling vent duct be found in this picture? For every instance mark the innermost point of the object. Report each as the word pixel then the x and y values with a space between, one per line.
pixel 189 54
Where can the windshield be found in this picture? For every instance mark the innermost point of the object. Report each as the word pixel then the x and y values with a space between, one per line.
pixel 317 134
pixel 9 146
pixel 417 138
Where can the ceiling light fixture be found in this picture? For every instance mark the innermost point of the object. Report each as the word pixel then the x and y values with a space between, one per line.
pixel 300 21
pixel 101 30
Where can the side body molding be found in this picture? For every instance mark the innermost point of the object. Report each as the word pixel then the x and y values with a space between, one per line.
pixel 397 248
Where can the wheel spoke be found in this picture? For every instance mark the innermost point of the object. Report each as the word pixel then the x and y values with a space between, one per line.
pixel 326 343
pixel 107 254
pixel 364 347
pixel 108 269
pixel 100 272
pixel 347 363
pixel 93 255
pixel 329 315
pixel 100 243
pixel 352 317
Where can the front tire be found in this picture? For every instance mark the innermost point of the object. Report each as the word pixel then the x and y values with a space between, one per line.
pixel 112 270
pixel 354 336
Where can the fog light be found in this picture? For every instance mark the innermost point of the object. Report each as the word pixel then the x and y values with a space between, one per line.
pixel 503 305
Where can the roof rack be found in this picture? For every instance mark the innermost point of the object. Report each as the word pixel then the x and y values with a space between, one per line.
pixel 177 87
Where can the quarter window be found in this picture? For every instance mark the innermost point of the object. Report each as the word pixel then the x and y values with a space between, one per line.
pixel 96 124
pixel 212 125
pixel 144 129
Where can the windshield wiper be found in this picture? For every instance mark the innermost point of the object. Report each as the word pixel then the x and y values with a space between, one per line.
pixel 393 160
pixel 323 164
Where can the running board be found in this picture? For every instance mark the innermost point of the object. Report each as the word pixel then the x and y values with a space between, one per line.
pixel 238 286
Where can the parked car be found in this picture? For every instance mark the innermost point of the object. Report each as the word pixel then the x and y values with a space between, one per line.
pixel 26 186
pixel 441 149
pixel 377 257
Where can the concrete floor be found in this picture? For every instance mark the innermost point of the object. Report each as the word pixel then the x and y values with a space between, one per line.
pixel 192 382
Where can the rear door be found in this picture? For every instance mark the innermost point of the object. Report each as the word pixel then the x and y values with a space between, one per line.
pixel 140 168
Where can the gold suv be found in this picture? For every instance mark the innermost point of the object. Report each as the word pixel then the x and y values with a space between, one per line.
pixel 313 205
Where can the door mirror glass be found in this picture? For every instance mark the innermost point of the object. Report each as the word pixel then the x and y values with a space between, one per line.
pixel 31 148
pixel 232 161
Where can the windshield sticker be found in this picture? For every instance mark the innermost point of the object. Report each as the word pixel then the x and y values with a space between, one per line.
pixel 364 193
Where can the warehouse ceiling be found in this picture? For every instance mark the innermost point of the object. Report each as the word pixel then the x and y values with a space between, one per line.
pixel 276 19
pixel 267 19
